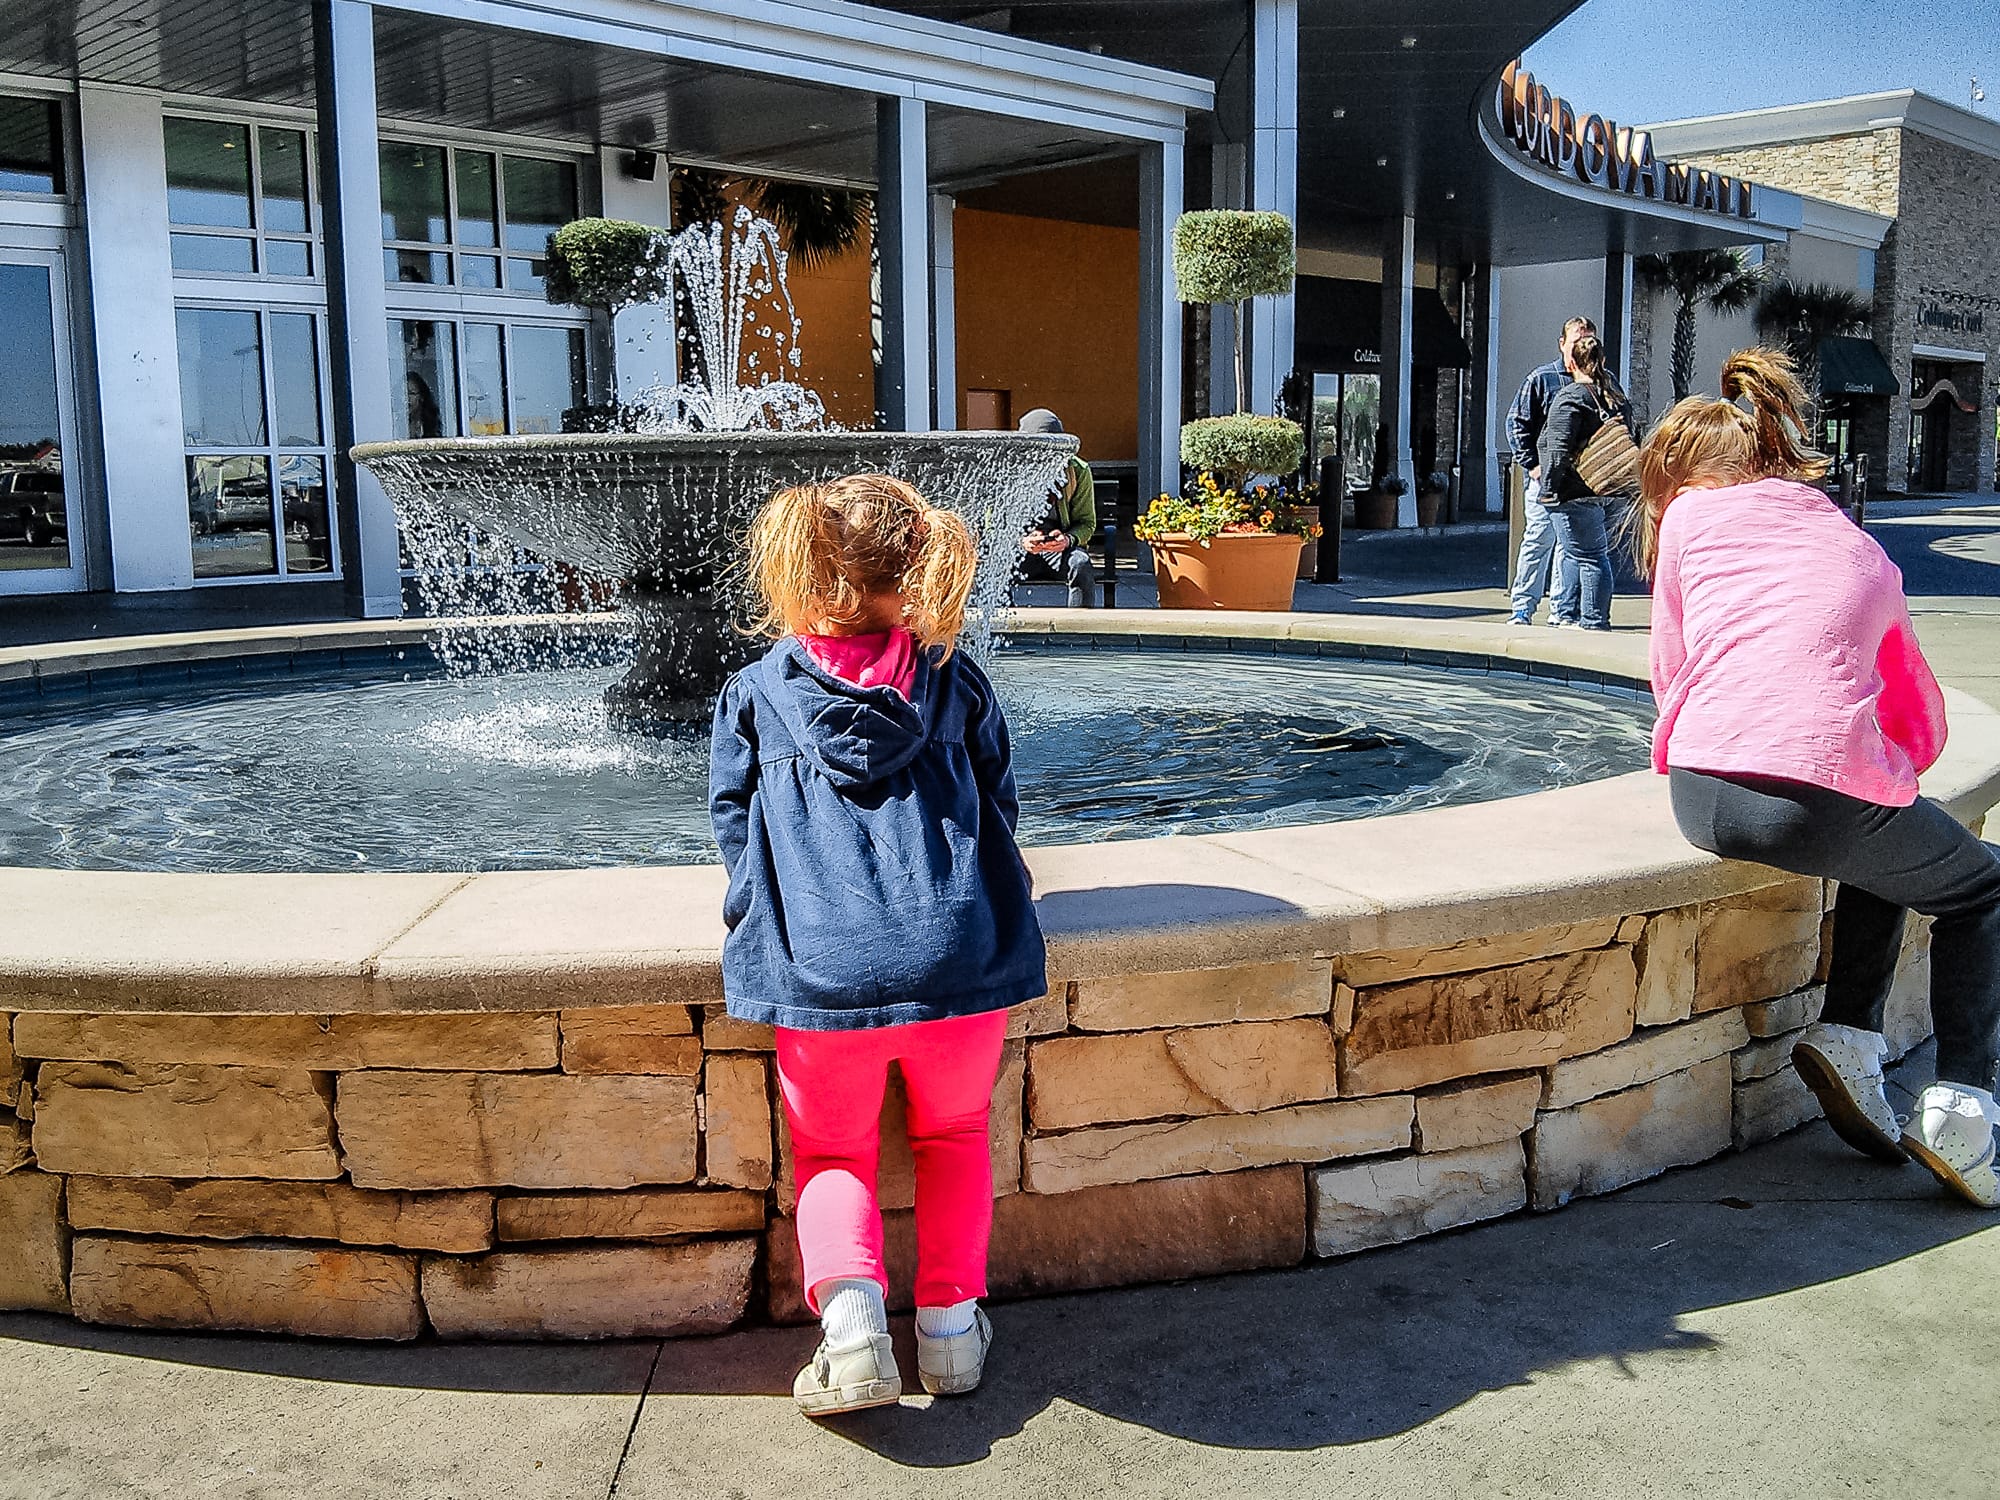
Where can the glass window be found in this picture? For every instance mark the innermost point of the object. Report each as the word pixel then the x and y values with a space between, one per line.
pixel 423 379
pixel 302 502
pixel 281 155
pixel 288 258
pixel 485 380
pixel 478 199
pixel 222 377
pixel 479 272
pixel 549 377
pixel 34 513
pixel 229 511
pixel 208 173
pixel 417 267
pixel 541 198
pixel 413 194
pixel 31 146
pixel 233 253
pixel 295 379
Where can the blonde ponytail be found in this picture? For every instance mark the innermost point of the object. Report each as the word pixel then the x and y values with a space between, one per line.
pixel 1706 443
pixel 937 586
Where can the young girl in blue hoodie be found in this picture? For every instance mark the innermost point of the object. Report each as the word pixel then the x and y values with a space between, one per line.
pixel 862 792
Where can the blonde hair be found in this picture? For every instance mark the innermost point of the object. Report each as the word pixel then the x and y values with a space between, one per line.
pixel 1713 443
pixel 827 554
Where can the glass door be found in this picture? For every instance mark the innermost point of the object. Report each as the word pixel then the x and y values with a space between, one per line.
pixel 41 539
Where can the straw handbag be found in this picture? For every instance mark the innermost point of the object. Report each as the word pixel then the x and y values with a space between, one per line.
pixel 1609 463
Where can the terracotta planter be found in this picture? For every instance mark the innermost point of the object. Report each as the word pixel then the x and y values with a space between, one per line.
pixel 1233 572
pixel 1375 510
pixel 1309 553
pixel 1430 507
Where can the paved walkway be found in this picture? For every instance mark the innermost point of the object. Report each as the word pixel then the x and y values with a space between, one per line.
pixel 1775 1325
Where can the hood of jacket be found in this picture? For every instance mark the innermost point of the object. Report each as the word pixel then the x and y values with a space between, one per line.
pixel 854 735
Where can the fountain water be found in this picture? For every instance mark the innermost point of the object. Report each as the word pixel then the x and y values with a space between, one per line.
pixel 663 509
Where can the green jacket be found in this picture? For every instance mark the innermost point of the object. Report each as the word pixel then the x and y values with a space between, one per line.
pixel 1076 506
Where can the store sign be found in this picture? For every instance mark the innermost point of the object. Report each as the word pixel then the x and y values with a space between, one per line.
pixel 1603 154
pixel 1967 316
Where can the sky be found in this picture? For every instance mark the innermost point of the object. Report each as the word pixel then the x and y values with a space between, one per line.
pixel 1643 61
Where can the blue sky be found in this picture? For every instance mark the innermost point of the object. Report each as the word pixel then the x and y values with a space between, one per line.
pixel 1647 60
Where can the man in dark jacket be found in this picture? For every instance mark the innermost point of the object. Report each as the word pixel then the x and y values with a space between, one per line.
pixel 1539 554
pixel 1058 546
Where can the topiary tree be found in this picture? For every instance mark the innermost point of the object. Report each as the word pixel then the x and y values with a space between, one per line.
pixel 609 264
pixel 1235 447
pixel 1231 255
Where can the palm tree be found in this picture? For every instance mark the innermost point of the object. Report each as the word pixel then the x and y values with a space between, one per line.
pixel 1797 318
pixel 1719 279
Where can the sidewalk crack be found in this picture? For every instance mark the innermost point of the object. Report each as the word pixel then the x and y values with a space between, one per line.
pixel 638 1410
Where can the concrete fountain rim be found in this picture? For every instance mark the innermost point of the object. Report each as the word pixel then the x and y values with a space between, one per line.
pixel 326 944
pixel 804 444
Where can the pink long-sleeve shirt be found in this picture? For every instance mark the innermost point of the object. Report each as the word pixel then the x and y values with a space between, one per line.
pixel 1782 647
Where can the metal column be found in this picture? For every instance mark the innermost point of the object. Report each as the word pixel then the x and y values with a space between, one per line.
pixel 903 219
pixel 1273 180
pixel 944 314
pixel 357 311
pixel 1160 192
pixel 1399 274
pixel 1616 329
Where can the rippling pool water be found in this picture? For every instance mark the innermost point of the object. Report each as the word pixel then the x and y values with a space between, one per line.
pixel 432 772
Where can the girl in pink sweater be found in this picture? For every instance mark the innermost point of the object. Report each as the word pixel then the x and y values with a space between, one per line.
pixel 1796 712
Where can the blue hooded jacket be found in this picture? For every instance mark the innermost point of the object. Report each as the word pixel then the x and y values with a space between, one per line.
pixel 873 875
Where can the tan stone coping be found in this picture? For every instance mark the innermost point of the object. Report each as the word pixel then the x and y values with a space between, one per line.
pixel 536 940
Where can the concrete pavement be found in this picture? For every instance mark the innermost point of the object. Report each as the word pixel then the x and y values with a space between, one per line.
pixel 1793 1322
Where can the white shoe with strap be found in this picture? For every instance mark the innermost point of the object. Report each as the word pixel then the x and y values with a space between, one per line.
pixel 953 1364
pixel 1951 1135
pixel 1842 1065
pixel 853 1378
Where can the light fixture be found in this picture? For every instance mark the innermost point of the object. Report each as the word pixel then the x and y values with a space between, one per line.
pixel 815 125
pixel 1450 194
pixel 1336 113
pixel 1409 42
pixel 1381 161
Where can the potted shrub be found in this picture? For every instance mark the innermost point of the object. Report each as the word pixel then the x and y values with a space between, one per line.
pixel 1230 541
pixel 1375 507
pixel 1430 498
pixel 1217 547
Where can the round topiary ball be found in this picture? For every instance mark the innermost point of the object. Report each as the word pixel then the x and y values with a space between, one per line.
pixel 1243 444
pixel 1227 254
pixel 608 263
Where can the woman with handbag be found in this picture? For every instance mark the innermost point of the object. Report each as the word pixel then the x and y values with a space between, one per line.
pixel 1589 455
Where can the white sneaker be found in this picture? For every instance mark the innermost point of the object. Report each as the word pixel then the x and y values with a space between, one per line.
pixel 1952 1134
pixel 851 1379
pixel 953 1365
pixel 1842 1065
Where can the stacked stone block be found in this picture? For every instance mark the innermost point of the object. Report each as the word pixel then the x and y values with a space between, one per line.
pixel 623 1171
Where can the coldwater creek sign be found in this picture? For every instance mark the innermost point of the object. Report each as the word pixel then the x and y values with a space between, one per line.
pixel 1600 153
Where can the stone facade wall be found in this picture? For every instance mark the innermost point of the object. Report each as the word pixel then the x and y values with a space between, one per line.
pixel 623 1172
pixel 1862 170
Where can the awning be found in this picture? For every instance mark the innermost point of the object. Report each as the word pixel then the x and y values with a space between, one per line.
pixel 1854 367
pixel 1338 328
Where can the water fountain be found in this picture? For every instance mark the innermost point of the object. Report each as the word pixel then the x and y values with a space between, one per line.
pixel 663 507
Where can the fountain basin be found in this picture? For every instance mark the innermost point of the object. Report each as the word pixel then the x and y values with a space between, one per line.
pixel 248 1088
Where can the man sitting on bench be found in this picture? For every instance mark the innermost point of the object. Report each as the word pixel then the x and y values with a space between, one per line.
pixel 1058 544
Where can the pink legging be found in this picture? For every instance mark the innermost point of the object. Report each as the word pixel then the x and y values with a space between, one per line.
pixel 832 1083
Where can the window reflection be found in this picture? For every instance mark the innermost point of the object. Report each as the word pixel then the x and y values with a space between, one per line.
pixel 34 509
pixel 541 198
pixel 478 199
pixel 281 154
pixel 222 377
pixel 425 374
pixel 208 173
pixel 295 379
pixel 548 377
pixel 302 503
pixel 413 193
pixel 229 512
pixel 485 380
pixel 31 158
pixel 236 254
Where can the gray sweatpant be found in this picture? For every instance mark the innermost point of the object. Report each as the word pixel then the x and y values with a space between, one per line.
pixel 1889 861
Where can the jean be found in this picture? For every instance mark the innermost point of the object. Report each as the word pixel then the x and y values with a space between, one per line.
pixel 1539 555
pixel 1889 861
pixel 1586 549
pixel 831 1083
pixel 1072 565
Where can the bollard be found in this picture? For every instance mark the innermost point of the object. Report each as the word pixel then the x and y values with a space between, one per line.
pixel 1332 498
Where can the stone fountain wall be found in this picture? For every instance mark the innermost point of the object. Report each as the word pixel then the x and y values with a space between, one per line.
pixel 601 1172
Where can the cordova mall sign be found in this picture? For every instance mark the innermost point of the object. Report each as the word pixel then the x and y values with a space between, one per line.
pixel 1600 153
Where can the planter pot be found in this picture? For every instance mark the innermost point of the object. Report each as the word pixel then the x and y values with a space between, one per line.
pixel 1232 572
pixel 1375 510
pixel 1309 553
pixel 1430 507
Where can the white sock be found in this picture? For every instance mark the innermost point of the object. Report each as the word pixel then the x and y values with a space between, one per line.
pixel 1873 1043
pixel 946 1322
pixel 850 1310
pixel 1963 1098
